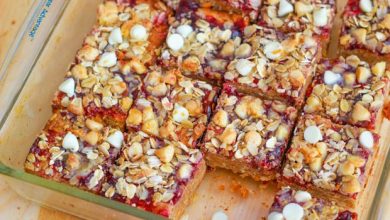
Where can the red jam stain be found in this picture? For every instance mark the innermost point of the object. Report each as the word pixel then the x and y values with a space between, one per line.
pixel 346 215
pixel 352 8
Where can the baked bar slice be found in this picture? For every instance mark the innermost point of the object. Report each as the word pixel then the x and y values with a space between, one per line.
pixel 102 80
pixel 155 175
pixel 74 150
pixel 248 7
pixel 329 160
pixel 365 31
pixel 172 106
pixel 297 16
pixel 293 204
pixel 201 42
pixel 248 135
pixel 349 91
pixel 274 65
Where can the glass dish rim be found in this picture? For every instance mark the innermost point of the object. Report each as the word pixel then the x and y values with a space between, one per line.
pixel 23 176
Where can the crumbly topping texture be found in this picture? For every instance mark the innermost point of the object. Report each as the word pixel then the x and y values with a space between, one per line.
pixel 306 207
pixel 172 106
pixel 329 156
pixel 151 173
pixel 276 64
pixel 296 16
pixel 248 128
pixel 349 90
pixel 249 7
pixel 366 26
pixel 75 151
pixel 115 53
pixel 201 43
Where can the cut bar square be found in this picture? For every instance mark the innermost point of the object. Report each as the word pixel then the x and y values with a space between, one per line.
pixel 275 65
pixel 296 204
pixel 172 106
pixel 247 7
pixel 155 175
pixel 248 135
pixel 331 161
pixel 104 76
pixel 75 151
pixel 201 42
pixel 366 30
pixel 349 91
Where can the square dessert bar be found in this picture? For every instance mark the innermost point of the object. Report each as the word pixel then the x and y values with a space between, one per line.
pixel 349 91
pixel 248 7
pixel 201 42
pixel 366 29
pixel 172 106
pixel 74 150
pixel 155 175
pixel 102 81
pixel 248 135
pixel 297 16
pixel 331 161
pixel 292 204
pixel 273 64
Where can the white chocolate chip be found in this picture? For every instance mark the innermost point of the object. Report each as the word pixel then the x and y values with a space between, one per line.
pixel 180 113
pixel 320 17
pixel 366 5
pixel 271 143
pixel 366 139
pixel 185 171
pixel 302 196
pixel 116 139
pixel 312 134
pixel 273 50
pixel 275 216
pixel 115 36
pixel 175 42
pixel 184 30
pixel 293 211
pixel 331 78
pixel 244 67
pixel 285 8
pixel 107 59
pixel 70 142
pixel 138 32
pixel 255 3
pixel 219 215
pixel 68 87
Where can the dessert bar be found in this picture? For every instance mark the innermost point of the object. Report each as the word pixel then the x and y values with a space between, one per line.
pixel 172 106
pixel 293 204
pixel 297 16
pixel 273 64
pixel 103 78
pixel 75 151
pixel 201 42
pixel 156 175
pixel 349 91
pixel 365 30
pixel 248 135
pixel 248 7
pixel 331 161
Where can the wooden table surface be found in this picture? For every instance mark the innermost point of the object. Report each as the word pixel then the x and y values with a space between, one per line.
pixel 13 206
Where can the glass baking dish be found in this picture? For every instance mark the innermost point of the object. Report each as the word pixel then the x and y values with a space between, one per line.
pixel 31 72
